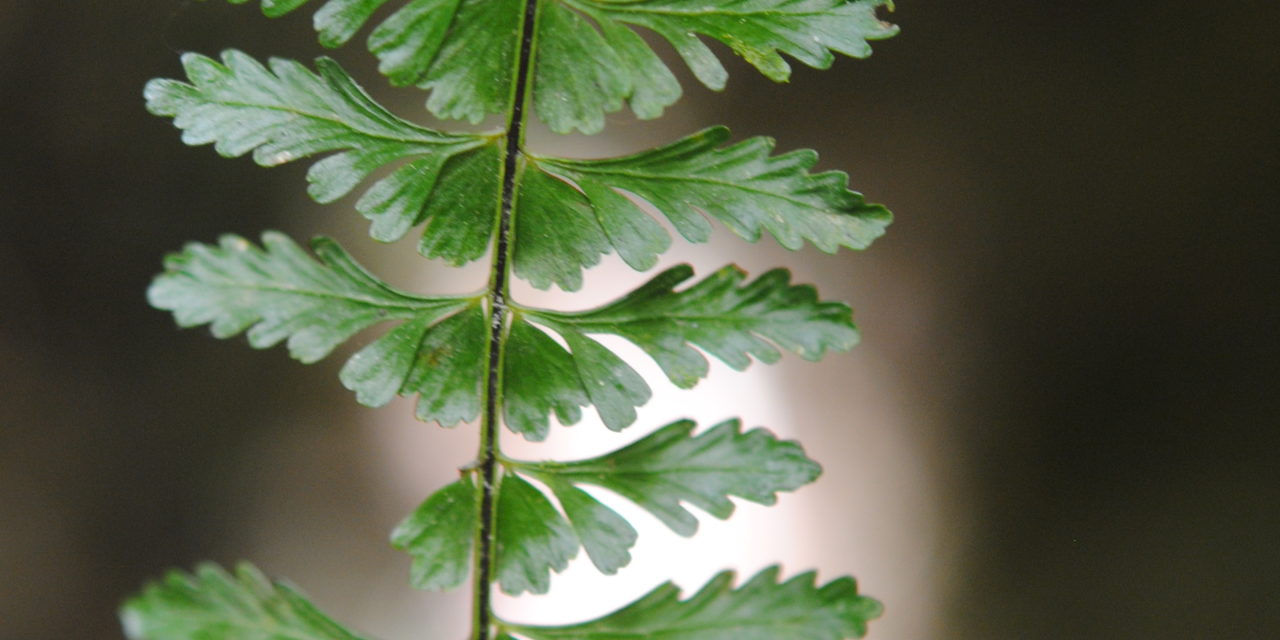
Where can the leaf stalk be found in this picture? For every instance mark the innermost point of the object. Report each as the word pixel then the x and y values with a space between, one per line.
pixel 499 312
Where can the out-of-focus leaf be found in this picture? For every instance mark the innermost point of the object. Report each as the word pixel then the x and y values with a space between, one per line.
pixel 212 604
pixel 439 536
pixel 760 609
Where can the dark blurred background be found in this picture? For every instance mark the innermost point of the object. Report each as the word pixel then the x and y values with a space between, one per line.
pixel 1086 198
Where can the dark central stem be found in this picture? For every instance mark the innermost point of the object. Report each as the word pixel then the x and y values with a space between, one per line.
pixel 485 557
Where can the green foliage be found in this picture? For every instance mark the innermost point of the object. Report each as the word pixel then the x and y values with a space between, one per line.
pixel 533 539
pixel 279 293
pixel 438 535
pixel 729 321
pixel 657 473
pixel 438 352
pixel 761 609
pixel 487 357
pixel 742 186
pixel 214 605
pixel 452 182
pixel 725 318
pixel 285 113
pixel 670 466
pixel 584 71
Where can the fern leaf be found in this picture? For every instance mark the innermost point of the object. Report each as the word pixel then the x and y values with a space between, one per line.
pixel 212 604
pixel 439 536
pixel 584 71
pixel 672 465
pixel 757 30
pixel 452 182
pixel 533 539
pixel 742 186
pixel 606 536
pixel 285 112
pixel 657 473
pixel 279 293
pixel 761 609
pixel 732 321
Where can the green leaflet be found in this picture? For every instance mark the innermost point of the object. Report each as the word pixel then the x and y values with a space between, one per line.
pixel 761 609
pixel 671 466
pixel 584 71
pixel 279 293
pixel 286 112
pixel 741 185
pixel 724 317
pixel 453 182
pixel 442 362
pixel 757 30
pixel 438 351
pixel 556 234
pixel 533 539
pixel 730 320
pixel 214 605
pixel 439 536
pixel 540 377
pixel 441 45
pixel 605 535
pixel 657 472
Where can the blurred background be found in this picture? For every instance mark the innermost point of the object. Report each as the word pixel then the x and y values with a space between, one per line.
pixel 1062 421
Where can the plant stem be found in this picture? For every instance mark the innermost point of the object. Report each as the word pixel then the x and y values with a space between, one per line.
pixel 485 556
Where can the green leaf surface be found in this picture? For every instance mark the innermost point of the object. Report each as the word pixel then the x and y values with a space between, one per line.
pixel 441 45
pixel 732 320
pixel 671 465
pixel 285 112
pixel 541 377
pixel 279 293
pixel 584 70
pixel 758 30
pixel 741 185
pixel 556 233
pixel 533 539
pixel 761 609
pixel 212 604
pixel 605 535
pixel 439 536
pixel 443 362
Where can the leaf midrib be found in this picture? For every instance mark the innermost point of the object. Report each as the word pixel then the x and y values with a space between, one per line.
pixel 423 304
pixel 341 123
pixel 637 175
